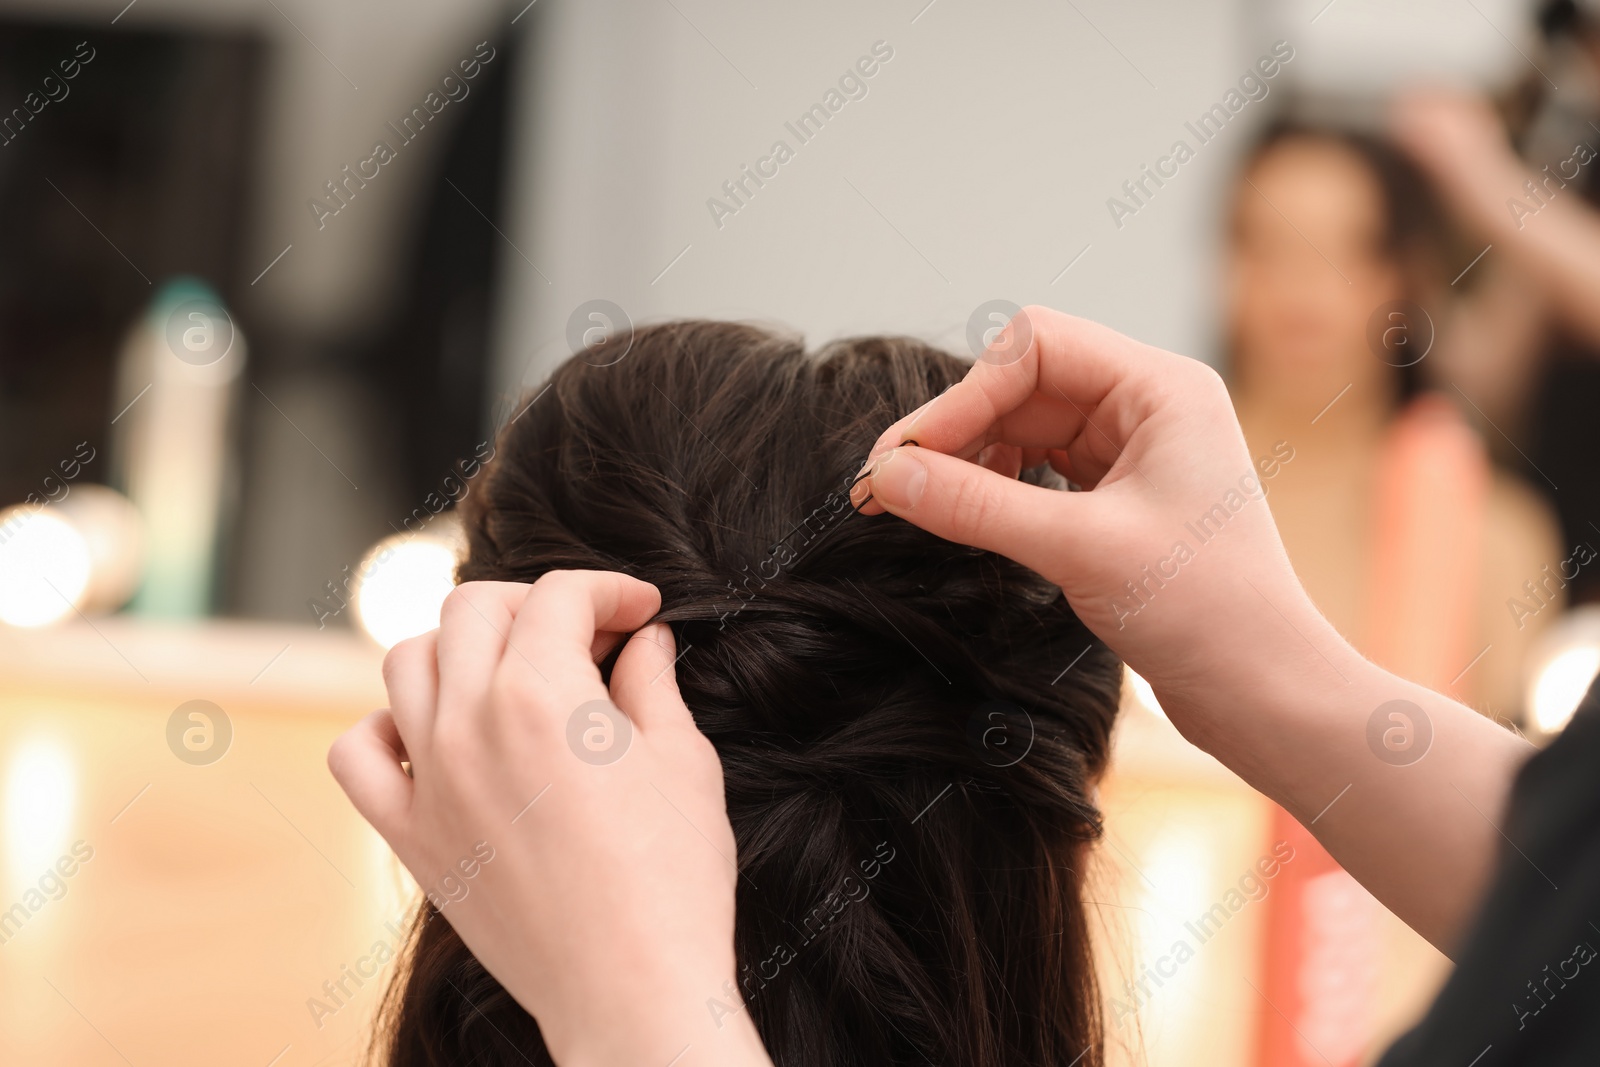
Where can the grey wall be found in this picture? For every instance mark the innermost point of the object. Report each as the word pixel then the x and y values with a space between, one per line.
pixel 978 166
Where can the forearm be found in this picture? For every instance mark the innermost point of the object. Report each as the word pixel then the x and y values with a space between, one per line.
pixel 1420 833
pixel 1567 250
pixel 1560 247
pixel 1530 216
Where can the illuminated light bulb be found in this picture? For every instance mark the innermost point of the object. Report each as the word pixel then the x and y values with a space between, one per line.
pixel 40 794
pixel 45 564
pixel 1142 691
pixel 111 526
pixel 402 583
pixel 1561 685
pixel 1560 667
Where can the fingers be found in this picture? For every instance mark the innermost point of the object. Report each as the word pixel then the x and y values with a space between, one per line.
pixel 963 502
pixel 1078 360
pixel 1048 399
pixel 553 636
pixel 644 681
pixel 1003 459
pixel 1061 463
pixel 474 624
pixel 365 761
pixel 411 675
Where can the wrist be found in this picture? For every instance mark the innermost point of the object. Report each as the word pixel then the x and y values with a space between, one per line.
pixel 1283 669
pixel 736 1044
pixel 1298 729
pixel 674 1024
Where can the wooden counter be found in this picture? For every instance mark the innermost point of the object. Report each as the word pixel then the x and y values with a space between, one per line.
pixel 221 895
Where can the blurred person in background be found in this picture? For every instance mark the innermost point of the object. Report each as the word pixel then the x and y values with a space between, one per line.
pixel 1404 535
pixel 1520 177
pixel 1389 507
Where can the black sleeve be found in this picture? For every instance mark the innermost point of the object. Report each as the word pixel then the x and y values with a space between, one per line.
pixel 1526 988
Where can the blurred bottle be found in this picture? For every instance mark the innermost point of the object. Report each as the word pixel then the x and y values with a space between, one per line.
pixel 178 382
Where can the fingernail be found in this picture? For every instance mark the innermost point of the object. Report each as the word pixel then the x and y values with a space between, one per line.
pixel 860 494
pixel 872 457
pixel 661 634
pixel 899 480
pixel 861 488
pixel 881 451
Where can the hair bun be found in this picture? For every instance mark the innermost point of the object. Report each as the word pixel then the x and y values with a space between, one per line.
pixel 907 759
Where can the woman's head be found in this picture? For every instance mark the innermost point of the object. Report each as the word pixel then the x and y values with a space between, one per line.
pixel 909 764
pixel 1327 227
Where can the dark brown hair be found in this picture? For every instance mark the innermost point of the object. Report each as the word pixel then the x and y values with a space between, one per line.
pixel 909 764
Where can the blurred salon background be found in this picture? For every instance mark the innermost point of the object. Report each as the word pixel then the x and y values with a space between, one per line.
pixel 274 272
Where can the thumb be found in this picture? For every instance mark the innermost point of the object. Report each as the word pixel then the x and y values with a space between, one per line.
pixel 972 505
pixel 644 681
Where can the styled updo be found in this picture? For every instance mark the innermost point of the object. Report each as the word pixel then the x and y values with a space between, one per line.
pixel 909 762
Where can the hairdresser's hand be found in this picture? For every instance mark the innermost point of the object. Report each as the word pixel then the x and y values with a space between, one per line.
pixel 584 857
pixel 1171 556
pixel 1553 236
